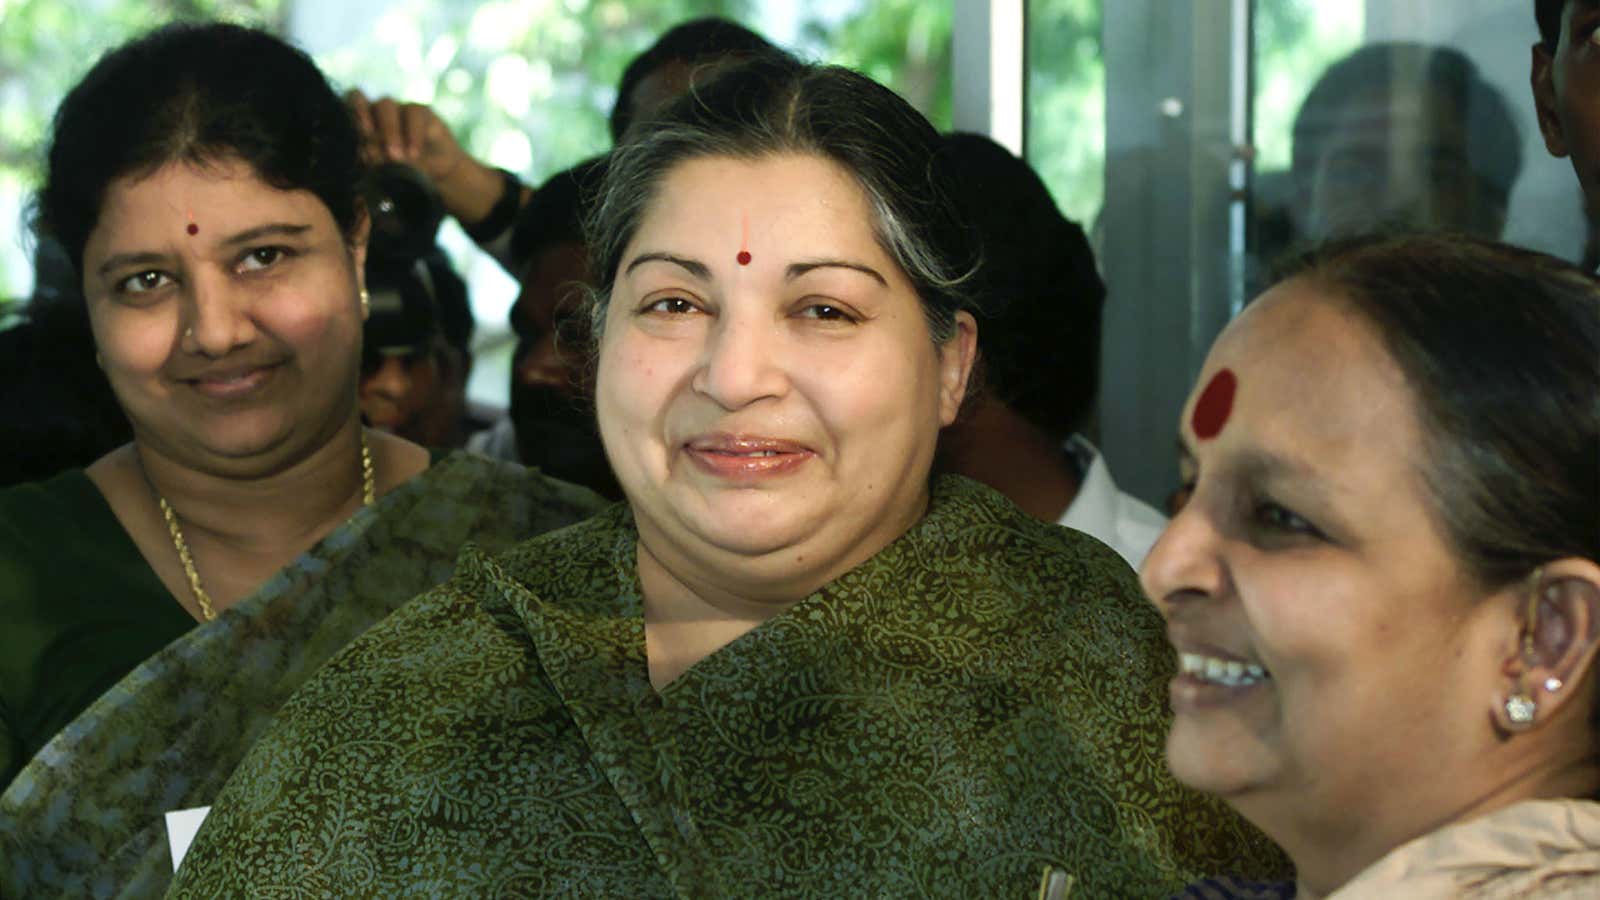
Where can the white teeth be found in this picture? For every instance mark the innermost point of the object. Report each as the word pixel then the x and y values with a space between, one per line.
pixel 1230 672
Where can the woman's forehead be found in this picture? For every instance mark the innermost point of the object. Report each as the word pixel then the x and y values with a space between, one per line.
pixel 794 187
pixel 1303 368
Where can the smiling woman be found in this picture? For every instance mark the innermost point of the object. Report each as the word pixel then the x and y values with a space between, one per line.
pixel 161 604
pixel 1384 589
pixel 791 663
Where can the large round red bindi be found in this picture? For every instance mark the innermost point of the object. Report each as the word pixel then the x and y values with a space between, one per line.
pixel 1211 411
pixel 193 228
pixel 743 257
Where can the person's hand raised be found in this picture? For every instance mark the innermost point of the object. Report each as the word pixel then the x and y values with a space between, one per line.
pixel 413 134
pixel 410 133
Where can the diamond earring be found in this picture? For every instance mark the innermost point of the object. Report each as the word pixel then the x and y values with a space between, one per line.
pixel 1520 709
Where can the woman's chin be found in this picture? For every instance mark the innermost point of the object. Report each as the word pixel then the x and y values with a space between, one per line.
pixel 1214 763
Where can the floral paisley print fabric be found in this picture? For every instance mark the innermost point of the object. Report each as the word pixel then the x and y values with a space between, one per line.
pixel 85 817
pixel 983 698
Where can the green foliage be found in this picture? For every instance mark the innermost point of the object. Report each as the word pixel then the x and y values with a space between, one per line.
pixel 526 85
pixel 904 44
pixel 47 45
pixel 1295 40
pixel 1066 114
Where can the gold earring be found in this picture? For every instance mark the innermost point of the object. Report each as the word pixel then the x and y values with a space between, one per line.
pixel 366 304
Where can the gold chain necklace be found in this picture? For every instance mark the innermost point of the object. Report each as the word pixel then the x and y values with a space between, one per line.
pixel 369 496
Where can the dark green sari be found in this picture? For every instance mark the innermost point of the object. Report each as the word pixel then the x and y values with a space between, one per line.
pixel 982 699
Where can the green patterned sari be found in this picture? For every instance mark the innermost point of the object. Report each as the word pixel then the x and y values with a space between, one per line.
pixel 982 699
pixel 85 815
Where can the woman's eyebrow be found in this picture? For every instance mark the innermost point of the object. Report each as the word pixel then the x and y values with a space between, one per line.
pixel 124 260
pixel 693 266
pixel 798 269
pixel 271 229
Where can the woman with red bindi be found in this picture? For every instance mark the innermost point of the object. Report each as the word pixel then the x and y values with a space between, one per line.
pixel 1384 590
pixel 161 603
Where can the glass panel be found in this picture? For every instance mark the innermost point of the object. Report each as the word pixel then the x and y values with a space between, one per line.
pixel 1411 113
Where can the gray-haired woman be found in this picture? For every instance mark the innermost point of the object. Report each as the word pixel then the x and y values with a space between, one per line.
pixel 788 663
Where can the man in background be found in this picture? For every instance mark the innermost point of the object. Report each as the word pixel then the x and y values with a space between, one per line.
pixel 1566 96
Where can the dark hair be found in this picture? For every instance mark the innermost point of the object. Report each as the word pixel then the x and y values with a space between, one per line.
pixel 1502 348
pixel 693 42
pixel 1491 141
pixel 554 215
pixel 776 105
pixel 1041 340
pixel 1548 15
pixel 201 93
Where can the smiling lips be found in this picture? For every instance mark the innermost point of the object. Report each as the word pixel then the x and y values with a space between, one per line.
pixel 744 457
pixel 1209 678
pixel 230 383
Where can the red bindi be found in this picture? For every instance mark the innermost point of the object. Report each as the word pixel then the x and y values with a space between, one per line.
pixel 744 241
pixel 193 228
pixel 1211 411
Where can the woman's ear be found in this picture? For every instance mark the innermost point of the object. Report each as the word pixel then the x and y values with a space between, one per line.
pixel 956 357
pixel 1548 674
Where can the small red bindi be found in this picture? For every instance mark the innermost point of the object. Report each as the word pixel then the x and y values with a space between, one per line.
pixel 1211 411
pixel 193 228
pixel 743 257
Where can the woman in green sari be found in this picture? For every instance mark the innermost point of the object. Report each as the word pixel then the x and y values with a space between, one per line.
pixel 790 663
pixel 160 605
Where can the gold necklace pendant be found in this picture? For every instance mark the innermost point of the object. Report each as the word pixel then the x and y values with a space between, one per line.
pixel 369 496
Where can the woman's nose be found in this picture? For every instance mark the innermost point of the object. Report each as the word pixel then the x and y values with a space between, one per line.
pixel 217 317
pixel 1186 563
pixel 743 361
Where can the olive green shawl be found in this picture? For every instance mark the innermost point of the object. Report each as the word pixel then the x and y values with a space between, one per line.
pixel 983 698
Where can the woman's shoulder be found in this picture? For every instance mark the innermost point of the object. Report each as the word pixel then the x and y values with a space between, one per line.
pixel 60 518
pixel 62 496
pixel 983 528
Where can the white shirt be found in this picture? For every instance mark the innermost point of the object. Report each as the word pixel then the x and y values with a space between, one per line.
pixel 1122 521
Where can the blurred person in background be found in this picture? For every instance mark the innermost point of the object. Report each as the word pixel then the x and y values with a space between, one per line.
pixel 1395 136
pixel 1039 355
pixel 1566 94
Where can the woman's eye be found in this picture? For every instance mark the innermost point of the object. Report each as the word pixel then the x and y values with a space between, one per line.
pixel 142 283
pixel 826 312
pixel 1276 518
pixel 674 306
pixel 262 258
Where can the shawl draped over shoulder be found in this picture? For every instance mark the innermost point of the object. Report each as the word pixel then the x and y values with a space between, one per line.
pixel 983 699
pixel 85 817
